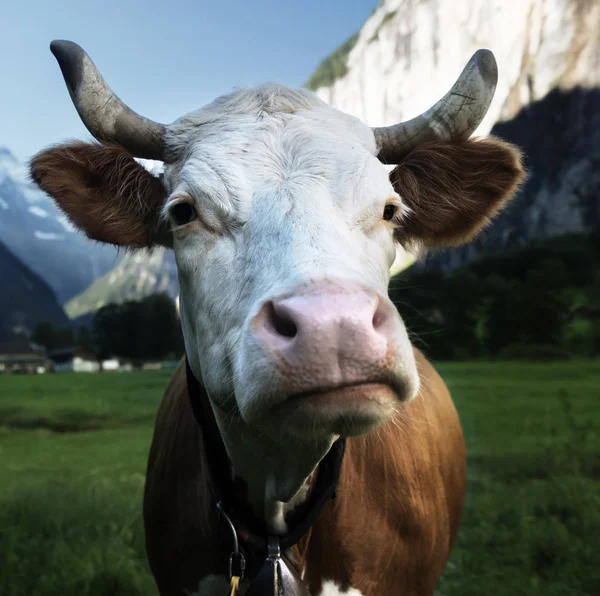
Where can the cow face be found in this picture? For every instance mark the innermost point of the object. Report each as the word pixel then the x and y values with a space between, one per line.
pixel 284 224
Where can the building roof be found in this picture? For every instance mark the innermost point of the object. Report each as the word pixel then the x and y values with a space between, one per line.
pixel 21 347
pixel 21 352
pixel 64 354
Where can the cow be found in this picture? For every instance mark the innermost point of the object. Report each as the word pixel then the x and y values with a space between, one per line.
pixel 301 407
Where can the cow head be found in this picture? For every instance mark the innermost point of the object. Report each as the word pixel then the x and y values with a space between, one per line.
pixel 284 221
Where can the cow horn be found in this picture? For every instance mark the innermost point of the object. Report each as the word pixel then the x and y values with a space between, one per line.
pixel 454 117
pixel 102 112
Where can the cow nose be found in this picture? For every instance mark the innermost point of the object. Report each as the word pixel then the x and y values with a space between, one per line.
pixel 337 314
pixel 334 335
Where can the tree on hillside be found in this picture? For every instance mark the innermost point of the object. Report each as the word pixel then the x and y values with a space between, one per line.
pixel 84 339
pixel 108 331
pixel 530 312
pixel 139 330
pixel 543 295
pixel 163 333
pixel 52 338
pixel 462 309
pixel 545 303
pixel 442 313
pixel 415 294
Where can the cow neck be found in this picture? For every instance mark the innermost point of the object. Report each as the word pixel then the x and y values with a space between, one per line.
pixel 230 497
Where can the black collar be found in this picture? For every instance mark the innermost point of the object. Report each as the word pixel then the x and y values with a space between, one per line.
pixel 251 531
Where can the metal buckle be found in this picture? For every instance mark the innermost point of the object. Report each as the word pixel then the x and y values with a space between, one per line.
pixel 237 561
pixel 273 549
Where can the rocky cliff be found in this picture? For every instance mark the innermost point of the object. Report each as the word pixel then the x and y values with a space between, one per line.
pixel 408 54
pixel 138 275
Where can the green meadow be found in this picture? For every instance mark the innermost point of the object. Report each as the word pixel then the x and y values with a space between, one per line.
pixel 73 451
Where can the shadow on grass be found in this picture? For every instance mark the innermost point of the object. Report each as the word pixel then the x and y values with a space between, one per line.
pixel 68 421
pixel 531 519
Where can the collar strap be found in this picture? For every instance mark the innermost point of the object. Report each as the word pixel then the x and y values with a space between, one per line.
pixel 248 528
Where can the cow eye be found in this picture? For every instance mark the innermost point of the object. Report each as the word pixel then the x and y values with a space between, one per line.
pixel 183 213
pixel 389 212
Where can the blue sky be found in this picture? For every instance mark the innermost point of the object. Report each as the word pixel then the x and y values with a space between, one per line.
pixel 162 58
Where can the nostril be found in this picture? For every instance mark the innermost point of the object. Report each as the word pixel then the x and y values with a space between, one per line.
pixel 379 316
pixel 280 324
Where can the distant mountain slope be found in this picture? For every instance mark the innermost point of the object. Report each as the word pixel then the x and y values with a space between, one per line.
pixel 138 275
pixel 25 299
pixel 34 229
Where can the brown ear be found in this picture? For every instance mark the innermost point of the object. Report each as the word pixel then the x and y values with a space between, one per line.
pixel 103 191
pixel 454 189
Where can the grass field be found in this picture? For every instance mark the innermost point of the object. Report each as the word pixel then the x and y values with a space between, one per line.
pixel 70 502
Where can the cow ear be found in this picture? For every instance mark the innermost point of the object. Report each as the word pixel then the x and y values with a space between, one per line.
pixel 104 191
pixel 453 190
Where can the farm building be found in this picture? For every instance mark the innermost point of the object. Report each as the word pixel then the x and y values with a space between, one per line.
pixel 73 360
pixel 117 364
pixel 22 356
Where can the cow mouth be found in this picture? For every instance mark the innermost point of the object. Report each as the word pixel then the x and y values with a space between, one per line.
pixel 345 395
pixel 346 410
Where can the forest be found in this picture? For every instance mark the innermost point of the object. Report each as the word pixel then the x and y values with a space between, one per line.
pixel 537 302
pixel 139 331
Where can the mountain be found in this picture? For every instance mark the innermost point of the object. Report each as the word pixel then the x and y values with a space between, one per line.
pixel 25 300
pixel 408 54
pixel 35 230
pixel 138 275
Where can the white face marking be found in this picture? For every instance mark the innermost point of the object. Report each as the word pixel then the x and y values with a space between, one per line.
pixel 332 589
pixel 288 191
pixel 211 585
pixel 217 585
